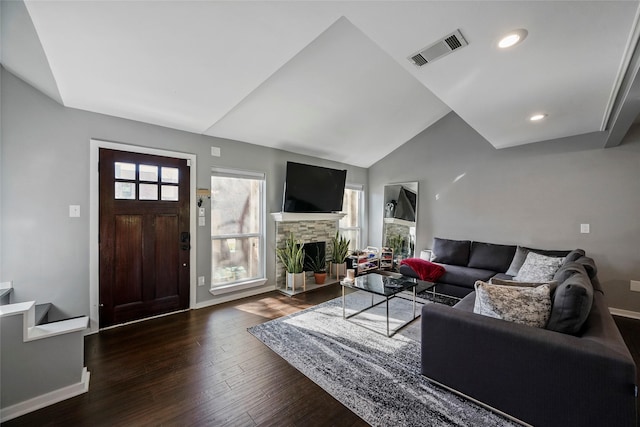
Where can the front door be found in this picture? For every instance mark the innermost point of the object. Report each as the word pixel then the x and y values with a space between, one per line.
pixel 144 236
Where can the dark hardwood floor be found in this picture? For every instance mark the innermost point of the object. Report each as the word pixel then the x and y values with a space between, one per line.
pixel 203 368
pixel 197 368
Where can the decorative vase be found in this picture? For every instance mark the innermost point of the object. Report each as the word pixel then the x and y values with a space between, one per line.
pixel 320 278
pixel 295 279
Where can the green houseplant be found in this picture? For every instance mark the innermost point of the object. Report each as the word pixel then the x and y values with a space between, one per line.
pixel 292 258
pixel 339 252
pixel 319 266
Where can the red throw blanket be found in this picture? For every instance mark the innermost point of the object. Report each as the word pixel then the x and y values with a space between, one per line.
pixel 426 270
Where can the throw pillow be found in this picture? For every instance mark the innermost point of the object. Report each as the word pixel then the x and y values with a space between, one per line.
pixel 572 303
pixel 495 281
pixel 525 305
pixel 521 255
pixel 538 268
pixel 454 252
pixel 424 270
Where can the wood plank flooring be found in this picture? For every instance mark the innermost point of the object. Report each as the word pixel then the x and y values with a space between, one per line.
pixel 203 368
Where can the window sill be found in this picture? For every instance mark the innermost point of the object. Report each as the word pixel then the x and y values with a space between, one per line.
pixel 234 287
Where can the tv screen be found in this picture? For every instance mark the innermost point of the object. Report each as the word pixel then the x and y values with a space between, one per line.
pixel 309 188
pixel 406 207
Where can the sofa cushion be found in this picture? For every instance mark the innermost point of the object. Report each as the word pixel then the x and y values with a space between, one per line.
pixel 454 252
pixel 572 303
pixel 526 305
pixel 589 265
pixel 464 276
pixel 421 269
pixel 538 268
pixel 467 303
pixel 574 255
pixel 489 256
pixel 521 256
pixel 567 270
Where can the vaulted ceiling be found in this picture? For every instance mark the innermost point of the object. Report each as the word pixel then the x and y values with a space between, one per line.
pixel 330 79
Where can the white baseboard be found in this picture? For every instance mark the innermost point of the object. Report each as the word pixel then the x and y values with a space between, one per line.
pixel 624 313
pixel 55 396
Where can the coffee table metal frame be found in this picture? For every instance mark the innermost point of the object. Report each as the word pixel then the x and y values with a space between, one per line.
pixel 379 289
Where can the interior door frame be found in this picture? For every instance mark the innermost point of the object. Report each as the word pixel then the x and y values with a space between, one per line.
pixel 94 220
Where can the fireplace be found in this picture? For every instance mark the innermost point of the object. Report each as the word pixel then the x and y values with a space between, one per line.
pixel 311 250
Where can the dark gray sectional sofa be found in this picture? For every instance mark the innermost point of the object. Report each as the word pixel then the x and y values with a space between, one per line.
pixel 466 261
pixel 537 375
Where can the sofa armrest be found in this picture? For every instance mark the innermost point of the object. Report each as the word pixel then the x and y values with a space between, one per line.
pixel 538 376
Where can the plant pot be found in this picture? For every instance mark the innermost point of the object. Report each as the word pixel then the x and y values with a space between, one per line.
pixel 338 270
pixel 295 280
pixel 320 278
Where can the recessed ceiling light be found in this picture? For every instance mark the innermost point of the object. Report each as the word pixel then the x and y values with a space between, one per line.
pixel 537 117
pixel 512 38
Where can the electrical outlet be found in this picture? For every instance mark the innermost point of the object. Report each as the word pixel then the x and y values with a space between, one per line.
pixel 584 228
pixel 635 286
pixel 200 280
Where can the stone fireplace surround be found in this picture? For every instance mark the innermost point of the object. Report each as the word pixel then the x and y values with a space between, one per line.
pixel 307 228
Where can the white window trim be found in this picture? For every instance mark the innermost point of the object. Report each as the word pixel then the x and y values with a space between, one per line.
pixel 253 282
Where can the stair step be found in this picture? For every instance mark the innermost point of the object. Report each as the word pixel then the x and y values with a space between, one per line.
pixel 42 313
pixel 5 296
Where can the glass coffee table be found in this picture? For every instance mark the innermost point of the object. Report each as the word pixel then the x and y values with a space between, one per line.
pixel 385 286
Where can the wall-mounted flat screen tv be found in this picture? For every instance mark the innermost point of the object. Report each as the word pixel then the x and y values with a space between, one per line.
pixel 309 188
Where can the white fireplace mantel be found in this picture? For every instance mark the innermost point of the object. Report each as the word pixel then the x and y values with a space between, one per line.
pixel 295 216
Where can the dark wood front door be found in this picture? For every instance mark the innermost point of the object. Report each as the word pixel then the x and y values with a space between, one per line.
pixel 144 236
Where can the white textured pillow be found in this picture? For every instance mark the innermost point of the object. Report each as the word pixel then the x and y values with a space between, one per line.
pixel 538 268
pixel 526 305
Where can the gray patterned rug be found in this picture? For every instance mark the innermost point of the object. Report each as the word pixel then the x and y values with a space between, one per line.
pixel 376 377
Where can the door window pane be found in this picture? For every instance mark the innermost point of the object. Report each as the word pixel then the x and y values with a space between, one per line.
pixel 125 170
pixel 148 173
pixel 170 175
pixel 125 190
pixel 148 192
pixel 169 193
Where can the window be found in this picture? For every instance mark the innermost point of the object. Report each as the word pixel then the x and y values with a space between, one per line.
pixel 351 225
pixel 130 176
pixel 237 227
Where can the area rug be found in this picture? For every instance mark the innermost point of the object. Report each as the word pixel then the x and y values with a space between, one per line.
pixel 376 377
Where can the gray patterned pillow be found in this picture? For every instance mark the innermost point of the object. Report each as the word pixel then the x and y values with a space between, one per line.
pixel 538 268
pixel 495 281
pixel 525 305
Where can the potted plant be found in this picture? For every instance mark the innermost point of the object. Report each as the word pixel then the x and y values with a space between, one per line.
pixel 339 253
pixel 396 242
pixel 319 267
pixel 292 258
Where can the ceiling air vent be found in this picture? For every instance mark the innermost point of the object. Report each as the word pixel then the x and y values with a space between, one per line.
pixel 438 49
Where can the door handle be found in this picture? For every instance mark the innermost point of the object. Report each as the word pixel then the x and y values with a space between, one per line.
pixel 185 241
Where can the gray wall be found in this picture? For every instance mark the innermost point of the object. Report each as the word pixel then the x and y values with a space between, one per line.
pixel 535 195
pixel 45 168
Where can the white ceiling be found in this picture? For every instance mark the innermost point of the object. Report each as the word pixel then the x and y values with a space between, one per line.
pixel 327 78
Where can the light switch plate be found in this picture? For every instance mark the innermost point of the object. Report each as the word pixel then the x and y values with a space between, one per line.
pixel 200 280
pixel 635 286
pixel 74 211
pixel 201 222
pixel 584 228
pixel 200 211
pixel 215 151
